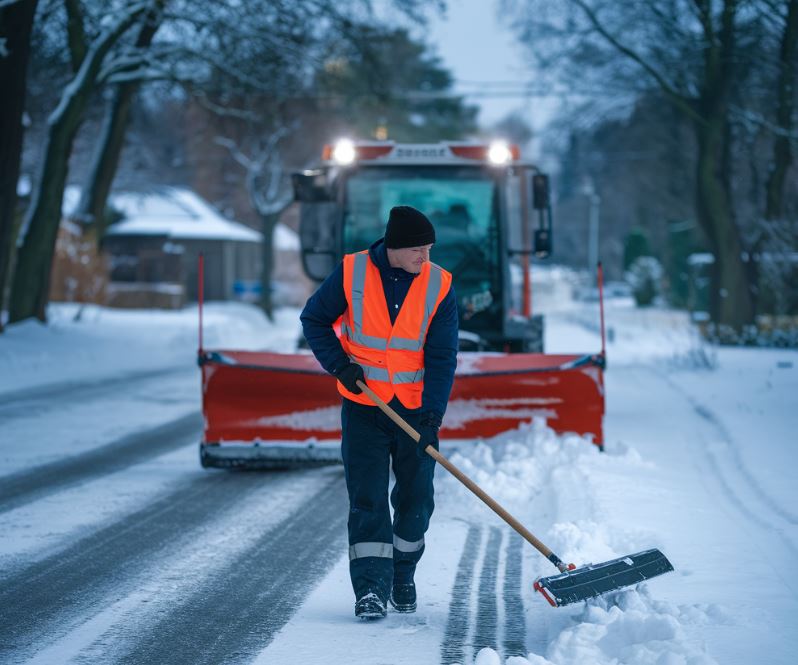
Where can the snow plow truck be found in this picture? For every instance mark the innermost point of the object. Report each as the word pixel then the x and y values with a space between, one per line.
pixel 491 212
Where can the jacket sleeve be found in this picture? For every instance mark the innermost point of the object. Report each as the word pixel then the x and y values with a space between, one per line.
pixel 320 313
pixel 440 356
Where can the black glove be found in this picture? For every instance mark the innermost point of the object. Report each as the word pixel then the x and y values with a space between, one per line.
pixel 429 424
pixel 349 374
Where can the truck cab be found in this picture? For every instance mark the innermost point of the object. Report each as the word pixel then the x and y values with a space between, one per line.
pixel 481 198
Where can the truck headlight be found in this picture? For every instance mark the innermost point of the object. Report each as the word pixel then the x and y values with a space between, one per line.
pixel 344 152
pixel 499 153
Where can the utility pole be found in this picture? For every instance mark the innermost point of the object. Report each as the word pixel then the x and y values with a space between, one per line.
pixel 594 212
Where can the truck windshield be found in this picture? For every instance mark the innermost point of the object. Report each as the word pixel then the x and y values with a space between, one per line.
pixel 461 202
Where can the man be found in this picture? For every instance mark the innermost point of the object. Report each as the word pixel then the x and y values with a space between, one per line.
pixel 398 335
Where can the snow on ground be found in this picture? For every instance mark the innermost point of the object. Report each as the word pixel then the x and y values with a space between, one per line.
pixel 699 462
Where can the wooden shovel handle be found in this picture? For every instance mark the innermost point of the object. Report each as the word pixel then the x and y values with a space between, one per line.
pixel 463 478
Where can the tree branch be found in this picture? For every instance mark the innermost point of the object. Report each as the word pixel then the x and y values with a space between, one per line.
pixel 89 68
pixel 76 33
pixel 683 102
pixel 264 165
pixel 752 117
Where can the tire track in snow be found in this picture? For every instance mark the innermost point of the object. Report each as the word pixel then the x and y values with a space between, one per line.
pixel 755 486
pixel 454 639
pixel 57 395
pixel 487 611
pixel 759 507
pixel 237 612
pixel 26 486
pixel 50 593
pixel 514 642
pixel 734 454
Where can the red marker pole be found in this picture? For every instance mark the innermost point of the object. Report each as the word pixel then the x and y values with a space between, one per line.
pixel 200 288
pixel 601 307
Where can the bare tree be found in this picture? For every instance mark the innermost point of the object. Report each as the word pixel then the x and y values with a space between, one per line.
pixel 16 23
pixel 34 260
pixel 690 50
pixel 786 88
pixel 269 191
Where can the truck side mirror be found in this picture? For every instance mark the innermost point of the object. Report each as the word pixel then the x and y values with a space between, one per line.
pixel 319 236
pixel 540 191
pixel 311 186
pixel 542 243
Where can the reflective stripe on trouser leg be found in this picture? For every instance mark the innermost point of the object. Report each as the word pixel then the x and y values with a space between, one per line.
pixel 405 545
pixel 362 550
pixel 405 557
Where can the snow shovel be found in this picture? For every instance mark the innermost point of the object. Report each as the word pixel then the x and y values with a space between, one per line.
pixel 572 584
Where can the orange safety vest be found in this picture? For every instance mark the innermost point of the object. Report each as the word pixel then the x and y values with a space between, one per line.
pixel 391 355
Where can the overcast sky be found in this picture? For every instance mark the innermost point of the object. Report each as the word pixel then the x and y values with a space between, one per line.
pixel 485 59
pixel 482 53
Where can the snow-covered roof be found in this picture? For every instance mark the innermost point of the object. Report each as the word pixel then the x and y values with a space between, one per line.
pixel 175 213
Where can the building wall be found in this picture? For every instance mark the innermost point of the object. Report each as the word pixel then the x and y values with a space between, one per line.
pixel 149 260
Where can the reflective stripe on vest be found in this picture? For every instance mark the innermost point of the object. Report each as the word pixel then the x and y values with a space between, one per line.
pixel 358 295
pixel 433 287
pixel 372 372
pixel 381 374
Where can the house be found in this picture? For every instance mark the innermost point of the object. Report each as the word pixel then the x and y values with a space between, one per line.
pixel 154 251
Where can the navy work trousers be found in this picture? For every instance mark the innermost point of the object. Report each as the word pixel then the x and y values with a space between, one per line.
pixel 382 551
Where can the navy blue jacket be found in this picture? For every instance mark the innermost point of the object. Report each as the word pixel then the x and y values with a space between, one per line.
pixel 440 349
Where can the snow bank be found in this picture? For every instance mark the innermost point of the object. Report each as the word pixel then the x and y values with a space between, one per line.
pixel 553 484
pixel 632 628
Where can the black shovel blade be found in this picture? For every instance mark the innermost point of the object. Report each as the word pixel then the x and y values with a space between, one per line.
pixel 595 579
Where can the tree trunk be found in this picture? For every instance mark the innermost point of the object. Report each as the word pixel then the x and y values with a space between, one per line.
pixel 730 295
pixel 16 23
pixel 106 158
pixel 34 259
pixel 30 288
pixel 782 153
pixel 109 149
pixel 730 299
pixel 267 228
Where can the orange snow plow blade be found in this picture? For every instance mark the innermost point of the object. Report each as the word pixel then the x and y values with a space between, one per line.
pixel 268 410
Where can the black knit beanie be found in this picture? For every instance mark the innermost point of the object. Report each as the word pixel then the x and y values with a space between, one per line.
pixel 408 227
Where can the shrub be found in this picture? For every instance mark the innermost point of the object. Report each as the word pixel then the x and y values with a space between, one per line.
pixel 645 278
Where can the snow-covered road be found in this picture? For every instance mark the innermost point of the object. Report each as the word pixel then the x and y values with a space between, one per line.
pixel 117 547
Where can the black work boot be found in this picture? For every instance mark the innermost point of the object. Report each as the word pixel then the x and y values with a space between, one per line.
pixel 370 606
pixel 403 597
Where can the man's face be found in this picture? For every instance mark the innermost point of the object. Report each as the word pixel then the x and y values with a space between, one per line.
pixel 411 259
